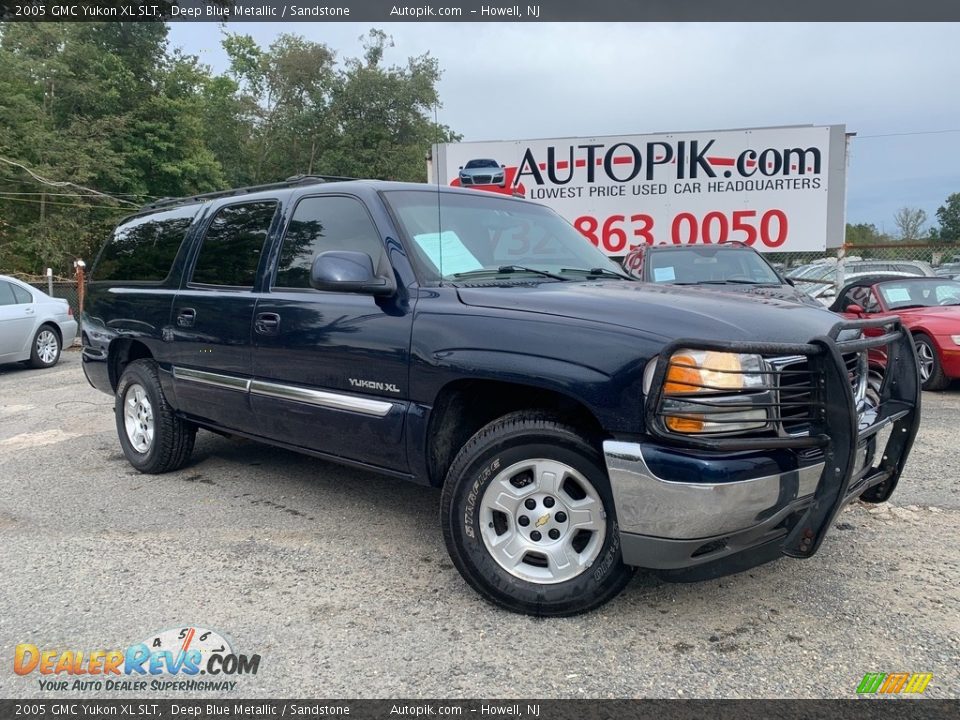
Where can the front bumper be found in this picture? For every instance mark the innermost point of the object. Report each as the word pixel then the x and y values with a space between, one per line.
pixel 683 502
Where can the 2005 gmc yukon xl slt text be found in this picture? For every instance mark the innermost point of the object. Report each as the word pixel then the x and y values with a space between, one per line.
pixel 580 423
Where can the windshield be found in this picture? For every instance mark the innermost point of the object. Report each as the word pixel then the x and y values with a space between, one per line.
pixel 476 232
pixel 693 265
pixel 481 164
pixel 919 293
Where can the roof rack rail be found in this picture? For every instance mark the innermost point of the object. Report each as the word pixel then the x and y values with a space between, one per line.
pixel 289 182
pixel 297 179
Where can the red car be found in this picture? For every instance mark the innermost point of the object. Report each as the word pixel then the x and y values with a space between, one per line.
pixel 929 308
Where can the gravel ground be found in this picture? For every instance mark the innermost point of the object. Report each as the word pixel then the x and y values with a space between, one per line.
pixel 340 581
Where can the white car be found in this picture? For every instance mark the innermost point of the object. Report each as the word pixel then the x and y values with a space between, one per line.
pixel 33 326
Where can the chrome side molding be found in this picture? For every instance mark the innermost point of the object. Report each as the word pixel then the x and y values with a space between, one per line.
pixel 293 393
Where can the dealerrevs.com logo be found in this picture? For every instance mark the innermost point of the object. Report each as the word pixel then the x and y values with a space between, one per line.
pixel 180 659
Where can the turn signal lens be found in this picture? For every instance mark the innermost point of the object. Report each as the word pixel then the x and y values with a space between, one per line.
pixel 685 424
pixel 683 375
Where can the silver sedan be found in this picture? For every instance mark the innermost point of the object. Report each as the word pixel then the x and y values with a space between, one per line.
pixel 34 327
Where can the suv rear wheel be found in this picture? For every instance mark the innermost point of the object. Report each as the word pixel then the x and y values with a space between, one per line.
pixel 528 518
pixel 153 438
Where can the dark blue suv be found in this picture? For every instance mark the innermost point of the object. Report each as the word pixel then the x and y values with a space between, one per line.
pixel 580 423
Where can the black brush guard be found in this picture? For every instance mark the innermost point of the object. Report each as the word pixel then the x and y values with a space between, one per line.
pixel 834 426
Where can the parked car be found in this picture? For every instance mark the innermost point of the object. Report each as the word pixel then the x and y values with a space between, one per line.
pixel 907 267
pixel 730 267
pixel 949 270
pixel 580 423
pixel 825 291
pixel 482 171
pixel 928 307
pixel 819 280
pixel 34 327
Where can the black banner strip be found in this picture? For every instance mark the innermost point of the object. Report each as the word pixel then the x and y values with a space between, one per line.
pixel 874 708
pixel 454 11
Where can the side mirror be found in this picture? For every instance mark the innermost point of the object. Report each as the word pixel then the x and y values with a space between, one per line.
pixel 349 271
pixel 503 166
pixel 855 309
pixel 461 167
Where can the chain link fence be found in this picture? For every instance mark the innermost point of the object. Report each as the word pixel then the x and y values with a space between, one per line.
pixel 935 255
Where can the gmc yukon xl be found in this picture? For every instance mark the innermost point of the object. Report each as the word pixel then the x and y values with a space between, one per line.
pixel 580 423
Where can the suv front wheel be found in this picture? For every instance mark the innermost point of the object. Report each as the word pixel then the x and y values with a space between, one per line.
pixel 528 518
pixel 153 438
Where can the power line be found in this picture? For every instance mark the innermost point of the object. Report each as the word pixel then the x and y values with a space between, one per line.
pixel 60 204
pixel 63 183
pixel 903 134
pixel 81 195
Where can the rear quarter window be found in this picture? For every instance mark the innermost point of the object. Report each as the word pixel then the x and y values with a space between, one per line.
pixel 143 249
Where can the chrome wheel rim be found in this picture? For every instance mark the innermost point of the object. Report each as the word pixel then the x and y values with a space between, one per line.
pixel 542 521
pixel 47 346
pixel 927 359
pixel 138 418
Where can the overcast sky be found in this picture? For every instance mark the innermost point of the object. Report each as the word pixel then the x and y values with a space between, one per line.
pixel 518 81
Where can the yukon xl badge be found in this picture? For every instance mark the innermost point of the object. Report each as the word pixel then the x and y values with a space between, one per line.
pixel 373 385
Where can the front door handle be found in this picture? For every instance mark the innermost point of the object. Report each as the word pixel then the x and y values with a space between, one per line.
pixel 267 323
pixel 186 317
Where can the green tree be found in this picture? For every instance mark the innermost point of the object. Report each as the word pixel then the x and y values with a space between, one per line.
pixel 948 215
pixel 382 115
pixel 110 106
pixel 99 105
pixel 865 234
pixel 285 91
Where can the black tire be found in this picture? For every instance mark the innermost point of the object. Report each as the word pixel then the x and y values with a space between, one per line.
pixel 516 438
pixel 936 380
pixel 51 335
pixel 172 439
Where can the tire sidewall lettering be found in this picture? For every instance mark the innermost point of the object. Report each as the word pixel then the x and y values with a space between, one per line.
pixel 611 556
pixel 470 512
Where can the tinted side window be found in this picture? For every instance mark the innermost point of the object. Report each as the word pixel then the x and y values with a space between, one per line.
pixel 21 296
pixel 320 224
pixel 6 294
pixel 231 248
pixel 143 249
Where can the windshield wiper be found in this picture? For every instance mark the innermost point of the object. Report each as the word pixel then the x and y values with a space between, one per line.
pixel 504 269
pixel 730 282
pixel 598 271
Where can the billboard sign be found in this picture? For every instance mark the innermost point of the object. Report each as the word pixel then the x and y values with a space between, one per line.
pixel 776 189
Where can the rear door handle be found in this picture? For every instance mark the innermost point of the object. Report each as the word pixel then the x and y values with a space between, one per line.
pixel 186 317
pixel 267 323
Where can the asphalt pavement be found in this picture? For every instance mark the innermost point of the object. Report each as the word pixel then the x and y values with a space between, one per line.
pixel 339 579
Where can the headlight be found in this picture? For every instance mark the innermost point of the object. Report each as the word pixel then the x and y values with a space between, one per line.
pixel 706 391
pixel 956 339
